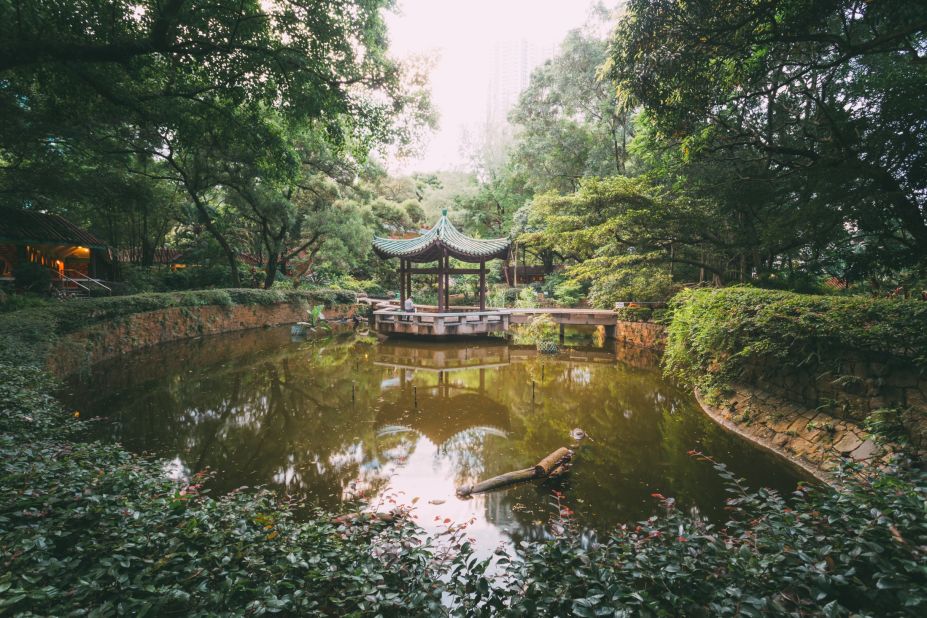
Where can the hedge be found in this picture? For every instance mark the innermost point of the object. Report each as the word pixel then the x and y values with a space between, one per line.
pixel 716 333
pixel 40 325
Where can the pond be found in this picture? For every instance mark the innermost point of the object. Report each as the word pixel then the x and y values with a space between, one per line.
pixel 345 417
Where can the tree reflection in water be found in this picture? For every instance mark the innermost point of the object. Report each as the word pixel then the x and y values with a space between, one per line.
pixel 343 418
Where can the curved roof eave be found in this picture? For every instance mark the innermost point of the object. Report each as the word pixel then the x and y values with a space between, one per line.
pixel 443 236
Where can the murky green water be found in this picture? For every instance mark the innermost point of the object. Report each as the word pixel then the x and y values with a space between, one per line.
pixel 335 419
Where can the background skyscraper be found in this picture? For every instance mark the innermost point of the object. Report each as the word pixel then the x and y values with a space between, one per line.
pixel 512 64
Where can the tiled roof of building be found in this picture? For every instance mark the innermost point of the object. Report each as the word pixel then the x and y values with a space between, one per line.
pixel 28 226
pixel 443 236
pixel 162 255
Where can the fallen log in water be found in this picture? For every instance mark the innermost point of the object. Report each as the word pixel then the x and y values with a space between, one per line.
pixel 560 471
pixel 545 468
pixel 553 461
pixel 498 482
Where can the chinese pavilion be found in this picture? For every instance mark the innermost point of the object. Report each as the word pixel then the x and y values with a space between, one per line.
pixel 439 245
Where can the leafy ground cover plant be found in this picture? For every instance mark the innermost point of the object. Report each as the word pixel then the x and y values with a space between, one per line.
pixel 860 551
pixel 89 529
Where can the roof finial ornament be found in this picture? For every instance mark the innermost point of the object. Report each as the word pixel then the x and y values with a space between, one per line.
pixel 444 212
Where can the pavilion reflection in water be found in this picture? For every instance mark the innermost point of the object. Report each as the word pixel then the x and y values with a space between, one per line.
pixel 436 405
pixel 422 394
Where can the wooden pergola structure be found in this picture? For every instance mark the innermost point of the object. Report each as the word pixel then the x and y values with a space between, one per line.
pixel 439 245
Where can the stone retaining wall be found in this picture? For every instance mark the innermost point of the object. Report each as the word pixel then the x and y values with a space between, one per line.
pixel 812 439
pixel 641 334
pixel 110 339
pixel 811 418
pixel 856 385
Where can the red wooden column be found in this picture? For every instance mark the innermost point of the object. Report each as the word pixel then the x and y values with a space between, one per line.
pixel 482 286
pixel 447 282
pixel 402 284
pixel 440 270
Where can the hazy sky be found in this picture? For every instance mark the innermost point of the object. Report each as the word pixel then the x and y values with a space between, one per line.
pixel 460 35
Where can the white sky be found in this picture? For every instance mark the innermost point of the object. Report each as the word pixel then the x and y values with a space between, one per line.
pixel 461 35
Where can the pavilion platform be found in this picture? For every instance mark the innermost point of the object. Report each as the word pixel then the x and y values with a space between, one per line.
pixel 440 324
pixel 425 322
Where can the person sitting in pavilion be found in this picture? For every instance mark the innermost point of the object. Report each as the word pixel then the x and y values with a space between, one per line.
pixel 409 306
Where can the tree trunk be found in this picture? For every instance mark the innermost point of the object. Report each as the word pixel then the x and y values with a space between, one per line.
pixel 148 252
pixel 220 238
pixel 270 274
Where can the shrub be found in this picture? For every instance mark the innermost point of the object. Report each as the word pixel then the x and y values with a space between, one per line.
pixel 859 551
pixel 367 286
pixel 15 302
pixel 66 317
pixel 32 277
pixel 501 296
pixel 538 330
pixel 139 279
pixel 639 283
pixel 716 333
pixel 634 314
pixel 527 298
pixel 567 292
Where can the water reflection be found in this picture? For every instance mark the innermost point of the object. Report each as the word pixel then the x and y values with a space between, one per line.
pixel 345 418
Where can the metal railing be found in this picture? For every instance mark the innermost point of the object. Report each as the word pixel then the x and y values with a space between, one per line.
pixel 80 281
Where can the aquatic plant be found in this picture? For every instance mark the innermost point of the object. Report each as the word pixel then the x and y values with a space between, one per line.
pixel 540 330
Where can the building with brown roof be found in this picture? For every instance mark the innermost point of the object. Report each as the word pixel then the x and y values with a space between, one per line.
pixel 52 241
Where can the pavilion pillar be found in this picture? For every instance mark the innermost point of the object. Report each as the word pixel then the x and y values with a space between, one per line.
pixel 408 280
pixel 440 282
pixel 447 283
pixel 402 284
pixel 482 286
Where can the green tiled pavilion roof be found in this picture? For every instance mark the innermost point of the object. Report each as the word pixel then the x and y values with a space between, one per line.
pixel 430 246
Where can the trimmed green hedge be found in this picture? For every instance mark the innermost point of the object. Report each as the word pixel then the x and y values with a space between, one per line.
pixel 37 326
pixel 716 333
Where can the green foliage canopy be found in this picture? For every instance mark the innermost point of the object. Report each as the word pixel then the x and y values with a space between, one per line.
pixel 825 100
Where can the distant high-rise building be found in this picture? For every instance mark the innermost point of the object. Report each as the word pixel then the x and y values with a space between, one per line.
pixel 512 63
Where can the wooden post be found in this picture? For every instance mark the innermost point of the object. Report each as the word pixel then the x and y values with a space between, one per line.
pixel 440 282
pixel 408 281
pixel 515 266
pixel 482 286
pixel 402 284
pixel 447 283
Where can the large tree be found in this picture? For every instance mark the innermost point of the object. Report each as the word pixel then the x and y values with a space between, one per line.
pixel 570 121
pixel 185 90
pixel 825 99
